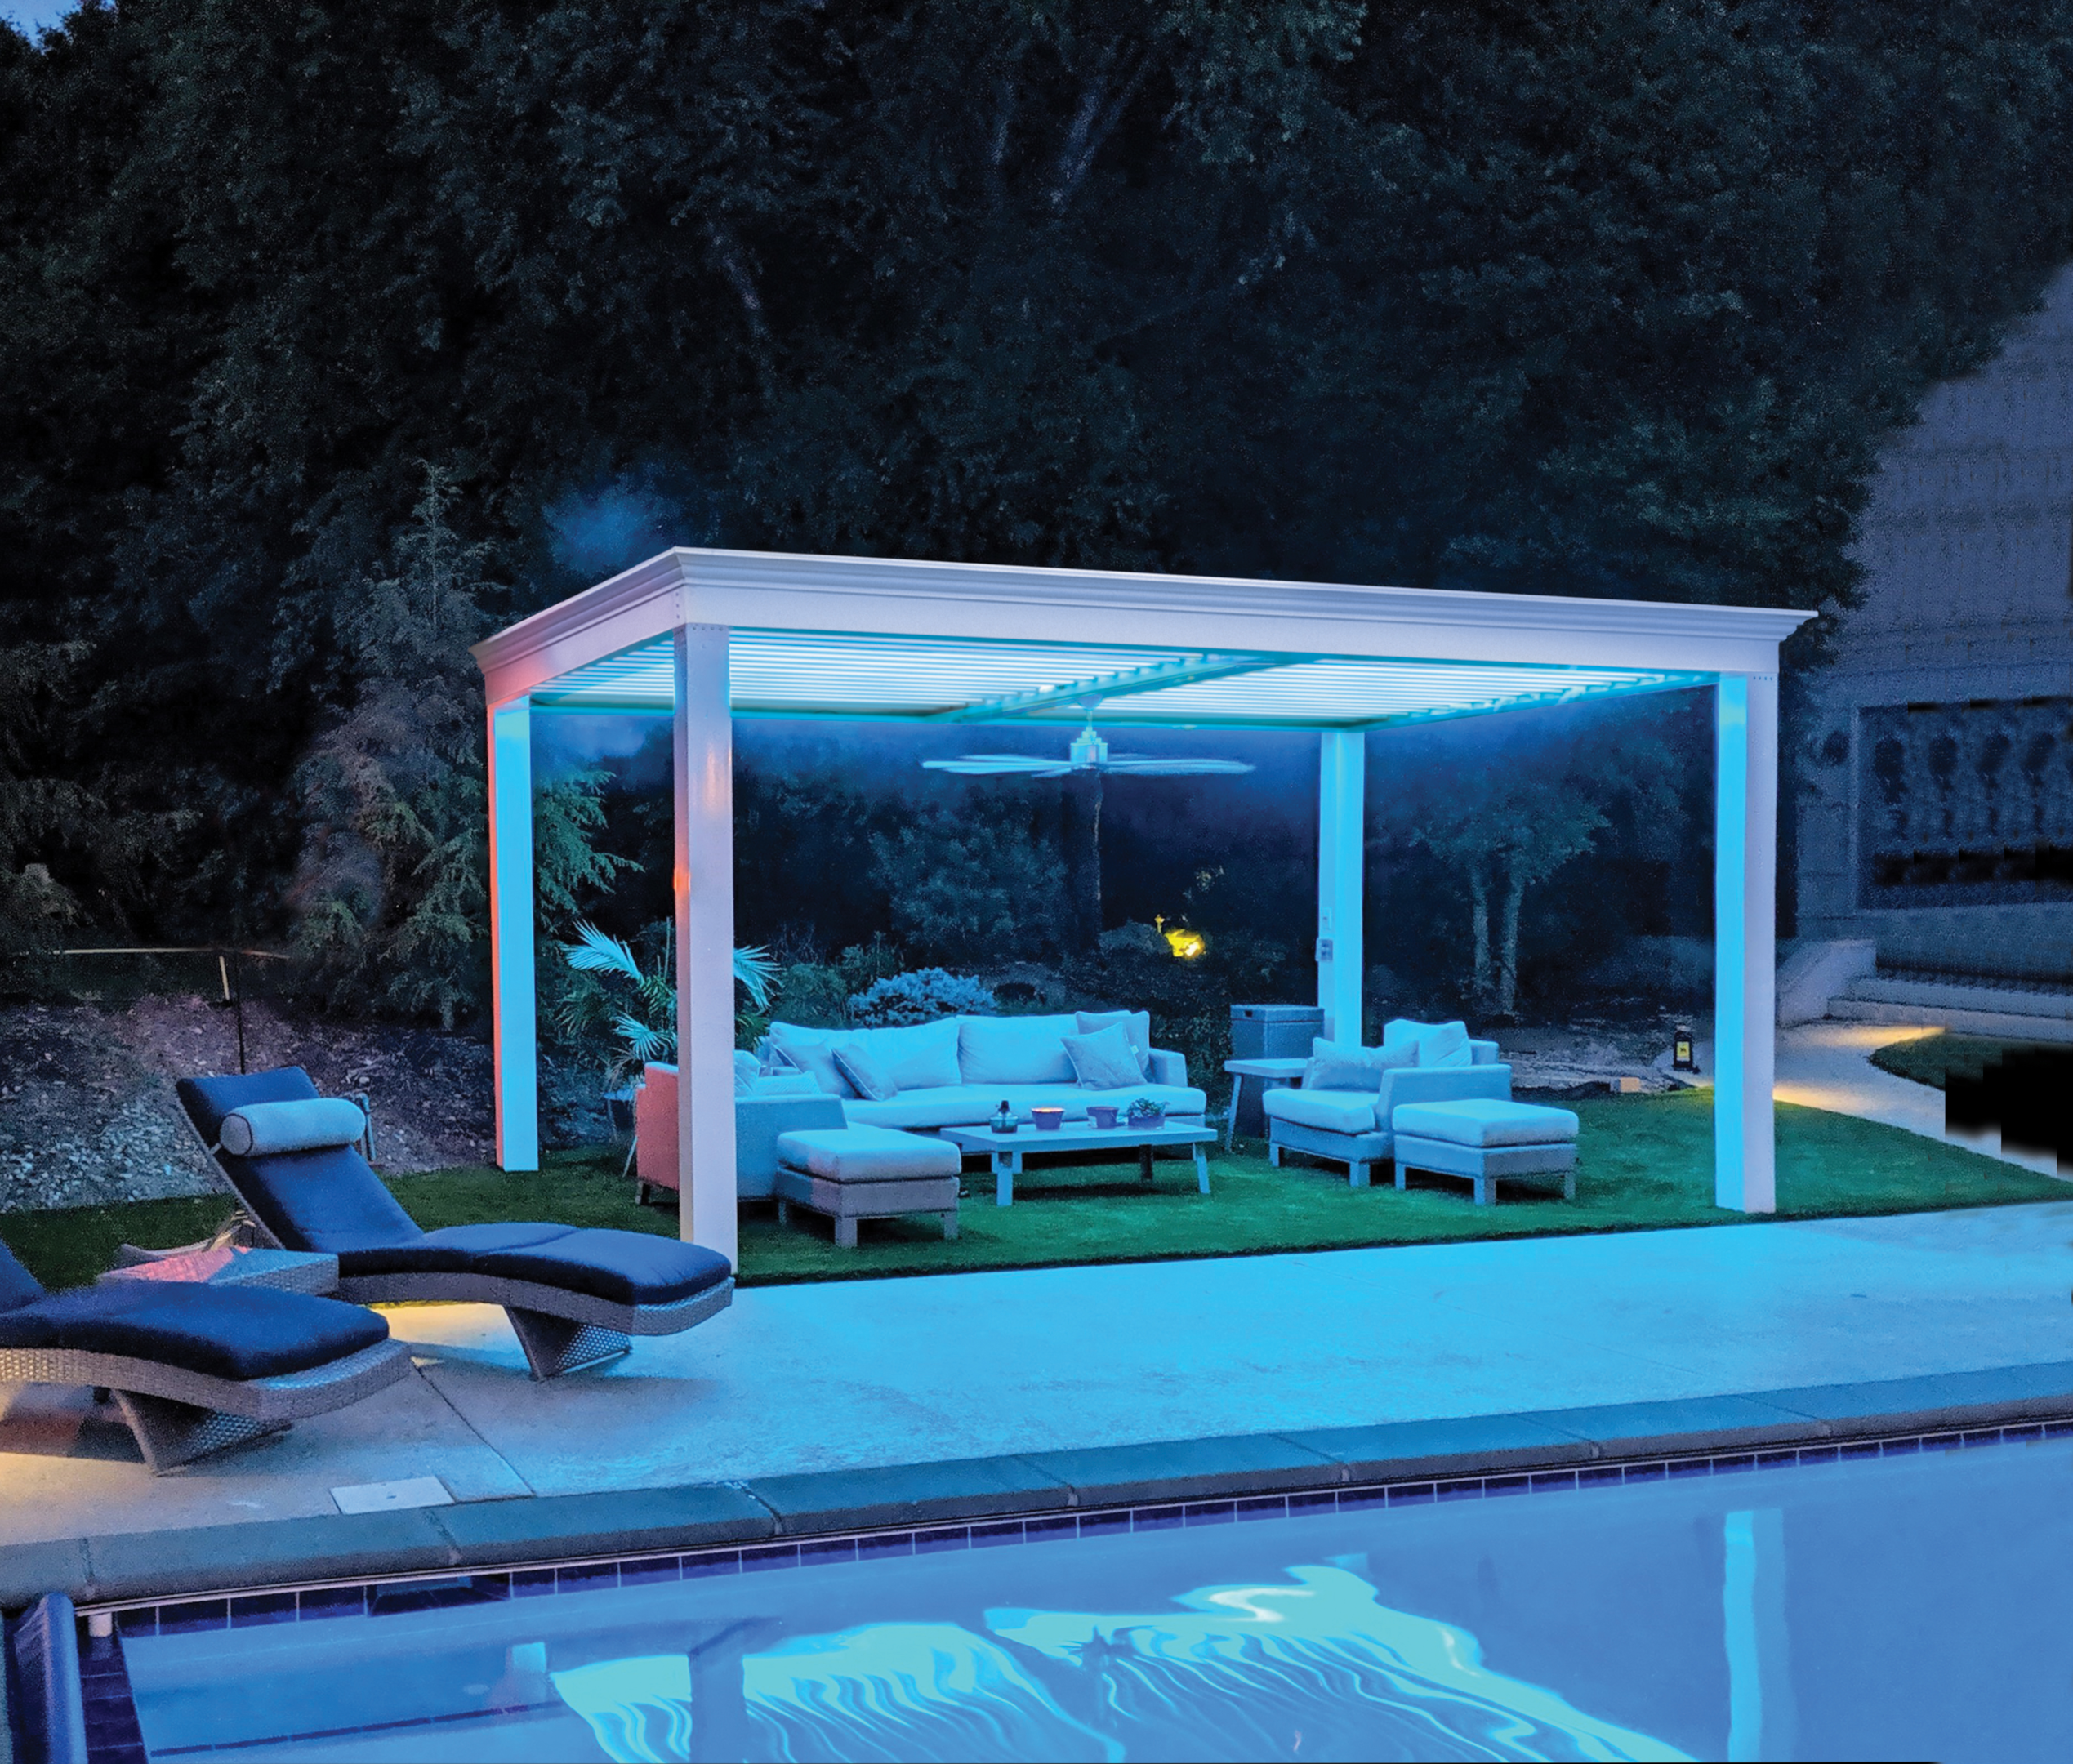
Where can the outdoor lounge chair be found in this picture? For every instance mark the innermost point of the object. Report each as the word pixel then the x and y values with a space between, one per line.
pixel 574 1296
pixel 195 1368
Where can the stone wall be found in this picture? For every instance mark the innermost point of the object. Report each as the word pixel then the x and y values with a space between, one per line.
pixel 1937 813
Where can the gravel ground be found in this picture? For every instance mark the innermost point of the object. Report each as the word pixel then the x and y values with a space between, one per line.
pixel 88 1114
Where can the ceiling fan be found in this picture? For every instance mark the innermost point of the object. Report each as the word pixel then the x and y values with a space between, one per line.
pixel 1088 753
pixel 1087 762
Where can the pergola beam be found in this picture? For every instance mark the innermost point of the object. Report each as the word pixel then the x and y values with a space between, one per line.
pixel 1102 687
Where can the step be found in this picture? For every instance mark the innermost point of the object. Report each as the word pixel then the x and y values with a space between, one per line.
pixel 2006 1026
pixel 1956 995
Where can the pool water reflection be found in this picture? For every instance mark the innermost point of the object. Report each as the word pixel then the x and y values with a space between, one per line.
pixel 1915 1606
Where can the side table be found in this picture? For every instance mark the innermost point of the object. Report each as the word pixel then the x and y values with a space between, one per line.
pixel 233 1265
pixel 1268 1072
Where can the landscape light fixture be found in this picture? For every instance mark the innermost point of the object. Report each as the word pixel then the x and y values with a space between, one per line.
pixel 1681 1058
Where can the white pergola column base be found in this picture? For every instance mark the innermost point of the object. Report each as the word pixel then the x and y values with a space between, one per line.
pixel 1745 1011
pixel 513 1006
pixel 1342 796
pixel 704 784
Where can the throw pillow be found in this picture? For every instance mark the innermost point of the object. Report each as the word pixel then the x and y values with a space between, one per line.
pixel 1104 1060
pixel 808 1051
pixel 864 1072
pixel 746 1072
pixel 1341 1066
pixel 1447 1044
pixel 1137 1025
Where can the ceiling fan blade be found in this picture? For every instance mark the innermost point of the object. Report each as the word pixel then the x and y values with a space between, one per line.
pixel 988 765
pixel 1133 765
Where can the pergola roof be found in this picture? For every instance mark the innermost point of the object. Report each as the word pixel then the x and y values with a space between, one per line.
pixel 810 673
pixel 842 637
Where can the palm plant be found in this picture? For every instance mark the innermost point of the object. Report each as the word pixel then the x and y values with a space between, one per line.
pixel 637 1005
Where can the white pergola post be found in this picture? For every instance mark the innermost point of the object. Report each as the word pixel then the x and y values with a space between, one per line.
pixel 704 751
pixel 1745 863
pixel 1342 792
pixel 512 996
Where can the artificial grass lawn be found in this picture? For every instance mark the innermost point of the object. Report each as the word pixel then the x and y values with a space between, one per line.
pixel 1645 1162
pixel 1932 1059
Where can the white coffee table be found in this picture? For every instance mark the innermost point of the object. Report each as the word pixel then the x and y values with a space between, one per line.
pixel 1007 1150
pixel 1270 1072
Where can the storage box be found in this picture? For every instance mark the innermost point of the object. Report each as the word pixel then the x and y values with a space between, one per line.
pixel 1269 1031
pixel 1274 1031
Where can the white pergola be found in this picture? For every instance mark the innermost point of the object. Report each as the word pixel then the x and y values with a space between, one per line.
pixel 706 636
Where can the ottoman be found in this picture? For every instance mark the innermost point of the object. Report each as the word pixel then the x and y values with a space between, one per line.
pixel 856 1172
pixel 1484 1140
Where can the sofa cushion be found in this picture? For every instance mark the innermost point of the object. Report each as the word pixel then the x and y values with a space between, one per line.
pixel 1137 1025
pixel 747 1070
pixel 918 1057
pixel 1347 1112
pixel 1341 1066
pixel 862 1072
pixel 1441 1043
pixel 1486 1121
pixel 866 1154
pixel 225 1332
pixel 1104 1060
pixel 1013 1050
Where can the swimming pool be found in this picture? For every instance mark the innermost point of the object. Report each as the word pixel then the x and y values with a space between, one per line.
pixel 1912 1603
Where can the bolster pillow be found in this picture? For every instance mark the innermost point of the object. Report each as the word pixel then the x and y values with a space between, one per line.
pixel 260 1129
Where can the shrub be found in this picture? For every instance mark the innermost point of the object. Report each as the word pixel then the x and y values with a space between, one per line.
pixel 919 997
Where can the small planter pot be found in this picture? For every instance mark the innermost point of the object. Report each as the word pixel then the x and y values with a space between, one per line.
pixel 1048 1120
pixel 1103 1115
pixel 1149 1122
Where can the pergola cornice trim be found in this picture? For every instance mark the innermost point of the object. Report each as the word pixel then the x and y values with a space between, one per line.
pixel 982 601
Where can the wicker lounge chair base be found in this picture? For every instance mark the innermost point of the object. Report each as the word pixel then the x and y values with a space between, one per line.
pixel 178 1416
pixel 560 1331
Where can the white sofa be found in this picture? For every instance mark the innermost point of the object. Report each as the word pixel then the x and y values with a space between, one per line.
pixel 956 1072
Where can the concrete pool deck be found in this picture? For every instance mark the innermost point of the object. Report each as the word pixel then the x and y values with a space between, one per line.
pixel 1080 1380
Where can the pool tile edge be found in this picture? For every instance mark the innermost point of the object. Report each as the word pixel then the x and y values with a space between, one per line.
pixel 198 1561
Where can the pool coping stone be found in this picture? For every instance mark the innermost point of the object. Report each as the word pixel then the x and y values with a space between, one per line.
pixel 214 1560
pixel 890 1496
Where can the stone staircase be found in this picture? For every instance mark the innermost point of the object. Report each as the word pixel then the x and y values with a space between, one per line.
pixel 2027 1010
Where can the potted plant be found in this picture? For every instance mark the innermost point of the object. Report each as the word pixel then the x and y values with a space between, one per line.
pixel 1146 1114
pixel 632 1008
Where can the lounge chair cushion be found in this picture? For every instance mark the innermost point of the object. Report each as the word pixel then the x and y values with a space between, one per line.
pixel 628 1267
pixel 1346 1112
pixel 332 1200
pixel 18 1286
pixel 453 1251
pixel 1487 1121
pixel 227 1332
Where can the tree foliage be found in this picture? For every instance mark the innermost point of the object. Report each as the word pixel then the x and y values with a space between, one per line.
pixel 1612 296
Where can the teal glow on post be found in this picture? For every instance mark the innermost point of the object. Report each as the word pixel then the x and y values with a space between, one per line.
pixel 1730 906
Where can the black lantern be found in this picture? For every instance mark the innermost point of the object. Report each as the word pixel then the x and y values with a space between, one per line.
pixel 1681 1058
